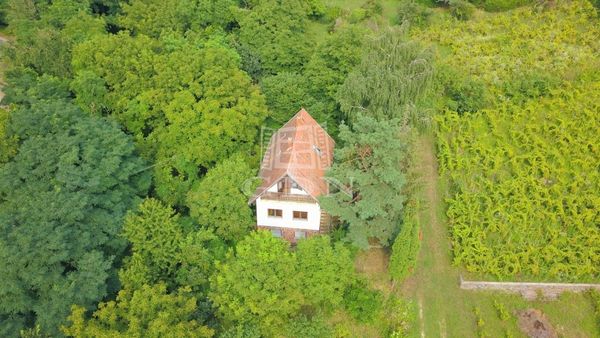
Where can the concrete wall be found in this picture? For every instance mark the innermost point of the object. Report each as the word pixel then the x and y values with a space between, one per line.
pixel 528 290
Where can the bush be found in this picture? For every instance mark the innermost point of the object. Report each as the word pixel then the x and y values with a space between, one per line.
pixel 362 304
pixel 406 246
pixel 413 12
pixel 308 328
pixel 460 9
pixel 466 95
pixel 357 15
pixel 529 86
pixel 499 5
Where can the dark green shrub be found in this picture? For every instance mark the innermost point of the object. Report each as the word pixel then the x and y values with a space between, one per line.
pixel 461 9
pixel 413 12
pixel 529 86
pixel 357 15
pixel 308 328
pixel 465 94
pixel 500 5
pixel 372 8
pixel 362 303
pixel 331 14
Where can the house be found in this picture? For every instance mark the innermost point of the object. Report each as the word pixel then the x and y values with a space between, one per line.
pixel 293 177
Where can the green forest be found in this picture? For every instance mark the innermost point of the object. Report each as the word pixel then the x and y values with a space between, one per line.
pixel 132 132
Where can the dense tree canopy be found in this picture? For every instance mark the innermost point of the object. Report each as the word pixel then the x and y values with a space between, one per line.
pixel 219 201
pixel 164 250
pixel 129 142
pixel 393 76
pixel 188 107
pixel 77 176
pixel 369 172
pixel 146 312
pixel 155 17
pixel 276 34
pixel 258 283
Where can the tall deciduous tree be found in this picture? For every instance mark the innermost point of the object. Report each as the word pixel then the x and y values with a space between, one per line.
pixel 147 312
pixel 286 93
pixel 275 31
pixel 188 106
pixel 218 201
pixel 325 271
pixel 153 17
pixel 257 283
pixel 391 80
pixel 45 33
pixel 369 169
pixel 164 251
pixel 62 201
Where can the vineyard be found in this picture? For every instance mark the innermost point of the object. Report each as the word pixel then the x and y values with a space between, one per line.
pixel 526 186
pixel 526 49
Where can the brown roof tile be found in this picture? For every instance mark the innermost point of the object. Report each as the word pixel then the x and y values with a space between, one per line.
pixel 302 150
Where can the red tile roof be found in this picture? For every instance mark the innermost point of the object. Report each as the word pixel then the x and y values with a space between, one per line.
pixel 302 150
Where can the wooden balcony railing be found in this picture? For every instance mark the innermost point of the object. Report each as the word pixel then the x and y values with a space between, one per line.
pixel 281 196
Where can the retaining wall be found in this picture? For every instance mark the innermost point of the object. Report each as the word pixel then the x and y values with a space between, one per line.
pixel 528 290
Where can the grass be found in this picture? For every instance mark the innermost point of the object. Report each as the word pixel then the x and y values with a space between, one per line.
pixel 447 310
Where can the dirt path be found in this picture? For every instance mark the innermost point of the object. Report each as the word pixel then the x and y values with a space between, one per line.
pixel 434 281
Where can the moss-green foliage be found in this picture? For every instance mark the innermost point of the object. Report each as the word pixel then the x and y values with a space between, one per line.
pixel 497 50
pixel 500 5
pixel 413 12
pixel 189 106
pixel 406 245
pixel 219 201
pixel 461 9
pixel 286 93
pixel 47 32
pixel 325 271
pixel 309 328
pixel 8 143
pixel 145 312
pixel 154 17
pixel 525 196
pixel 257 283
pixel 362 303
pixel 164 251
pixel 276 34
pixel 263 284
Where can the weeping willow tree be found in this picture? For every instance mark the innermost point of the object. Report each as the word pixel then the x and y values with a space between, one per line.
pixel 392 80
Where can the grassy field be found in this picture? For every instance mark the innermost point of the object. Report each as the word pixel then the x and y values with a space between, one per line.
pixel 446 310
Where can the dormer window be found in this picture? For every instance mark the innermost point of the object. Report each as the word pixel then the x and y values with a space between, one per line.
pixel 296 186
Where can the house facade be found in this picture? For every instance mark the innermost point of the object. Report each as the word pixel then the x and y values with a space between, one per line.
pixel 293 177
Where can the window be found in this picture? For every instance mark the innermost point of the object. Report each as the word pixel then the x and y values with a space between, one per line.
pixel 276 232
pixel 295 186
pixel 299 234
pixel 275 212
pixel 301 215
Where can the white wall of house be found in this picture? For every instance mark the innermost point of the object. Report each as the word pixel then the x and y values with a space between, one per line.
pixel 293 191
pixel 273 188
pixel 286 220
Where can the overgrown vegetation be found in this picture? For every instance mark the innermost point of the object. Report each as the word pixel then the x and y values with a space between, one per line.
pixel 130 138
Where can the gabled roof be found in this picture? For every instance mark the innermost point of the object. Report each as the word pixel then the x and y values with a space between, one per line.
pixel 302 150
